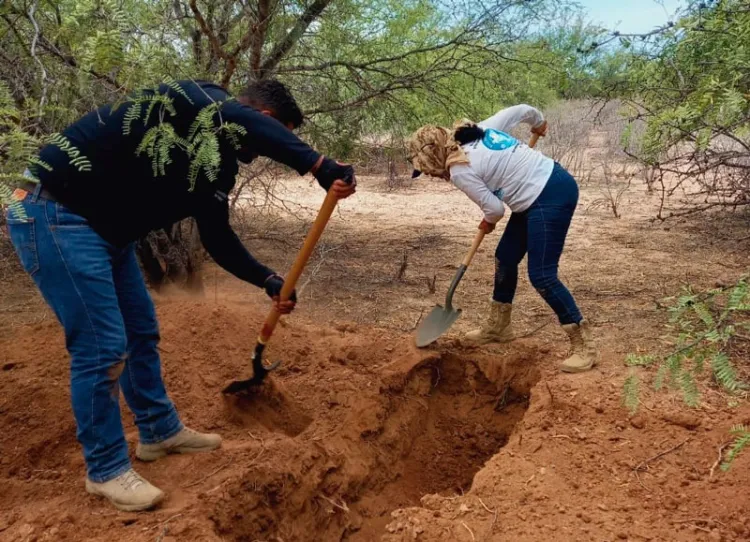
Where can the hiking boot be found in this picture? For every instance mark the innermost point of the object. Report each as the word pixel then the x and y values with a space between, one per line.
pixel 583 351
pixel 186 441
pixel 128 492
pixel 497 328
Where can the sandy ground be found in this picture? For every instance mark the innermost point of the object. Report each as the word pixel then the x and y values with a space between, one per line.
pixel 362 437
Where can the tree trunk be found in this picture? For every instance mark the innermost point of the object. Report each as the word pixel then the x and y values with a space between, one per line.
pixel 173 256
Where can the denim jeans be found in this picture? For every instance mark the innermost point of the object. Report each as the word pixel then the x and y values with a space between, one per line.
pixel 99 296
pixel 540 231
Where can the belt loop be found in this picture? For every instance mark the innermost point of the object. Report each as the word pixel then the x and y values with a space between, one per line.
pixel 36 193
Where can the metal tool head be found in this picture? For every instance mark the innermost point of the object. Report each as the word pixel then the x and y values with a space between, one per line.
pixel 437 322
pixel 259 374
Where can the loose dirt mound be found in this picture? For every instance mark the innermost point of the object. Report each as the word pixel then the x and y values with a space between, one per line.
pixel 361 436
pixel 356 424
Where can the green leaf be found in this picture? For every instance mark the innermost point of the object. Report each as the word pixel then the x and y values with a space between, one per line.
pixel 741 435
pixel 637 360
pixel 631 394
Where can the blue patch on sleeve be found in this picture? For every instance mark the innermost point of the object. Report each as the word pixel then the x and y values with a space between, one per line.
pixel 498 141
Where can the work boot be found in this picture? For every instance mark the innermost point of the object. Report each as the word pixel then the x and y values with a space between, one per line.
pixel 497 328
pixel 186 441
pixel 583 351
pixel 128 492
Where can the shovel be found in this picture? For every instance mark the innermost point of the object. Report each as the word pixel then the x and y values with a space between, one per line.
pixel 260 370
pixel 441 318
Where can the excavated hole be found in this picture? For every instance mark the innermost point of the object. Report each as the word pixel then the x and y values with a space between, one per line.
pixel 428 434
pixel 448 421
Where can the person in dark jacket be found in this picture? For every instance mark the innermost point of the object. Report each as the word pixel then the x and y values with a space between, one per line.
pixel 101 188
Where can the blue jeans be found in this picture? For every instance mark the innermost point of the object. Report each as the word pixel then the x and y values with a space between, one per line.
pixel 540 231
pixel 99 296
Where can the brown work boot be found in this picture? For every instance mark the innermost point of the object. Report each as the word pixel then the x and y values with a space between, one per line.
pixel 186 441
pixel 128 492
pixel 583 354
pixel 496 329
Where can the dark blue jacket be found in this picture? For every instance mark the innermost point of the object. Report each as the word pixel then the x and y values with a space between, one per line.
pixel 122 198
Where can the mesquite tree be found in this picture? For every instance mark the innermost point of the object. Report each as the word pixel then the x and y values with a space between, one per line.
pixel 356 67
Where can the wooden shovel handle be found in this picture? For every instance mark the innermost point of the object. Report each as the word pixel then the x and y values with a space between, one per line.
pixel 290 281
pixel 474 246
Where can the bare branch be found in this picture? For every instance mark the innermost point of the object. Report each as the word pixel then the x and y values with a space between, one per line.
pixel 312 12
pixel 207 30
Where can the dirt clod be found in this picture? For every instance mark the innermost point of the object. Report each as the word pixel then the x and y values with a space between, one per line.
pixel 682 419
pixel 384 442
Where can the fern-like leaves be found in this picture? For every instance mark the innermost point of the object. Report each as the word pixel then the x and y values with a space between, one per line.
pixel 741 435
pixel 6 195
pixel 703 324
pixel 77 159
pixel 630 393
pixel 205 157
pixel 158 143
pixel 175 86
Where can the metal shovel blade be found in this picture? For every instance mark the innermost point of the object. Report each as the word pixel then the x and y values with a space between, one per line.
pixel 437 322
pixel 260 370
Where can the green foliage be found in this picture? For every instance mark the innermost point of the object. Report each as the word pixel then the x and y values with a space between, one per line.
pixel 631 393
pixel 741 434
pixel 636 360
pixel 691 87
pixel 17 145
pixel 204 146
pixel 77 159
pixel 201 144
pixel 704 325
pixel 700 78
pixel 158 143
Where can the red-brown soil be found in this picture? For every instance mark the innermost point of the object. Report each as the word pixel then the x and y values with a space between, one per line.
pixel 359 426
pixel 359 436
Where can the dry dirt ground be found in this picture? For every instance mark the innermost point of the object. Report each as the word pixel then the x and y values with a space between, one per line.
pixel 362 437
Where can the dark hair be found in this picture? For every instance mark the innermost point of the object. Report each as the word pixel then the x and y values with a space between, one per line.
pixel 467 134
pixel 273 95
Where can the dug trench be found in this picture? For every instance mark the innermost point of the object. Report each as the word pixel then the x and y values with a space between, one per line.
pixel 356 424
pixel 424 431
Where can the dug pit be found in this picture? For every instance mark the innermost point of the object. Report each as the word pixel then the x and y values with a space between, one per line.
pixel 425 430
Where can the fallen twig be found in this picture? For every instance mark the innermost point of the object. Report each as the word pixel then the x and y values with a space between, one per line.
pixel 416 324
pixel 533 331
pixel 644 464
pixel 721 456
pixel 163 532
pixel 494 519
pixel 217 487
pixel 162 523
pixel 259 439
pixel 484 505
pixel 341 506
pixel 209 475
pixel 492 526
pixel 470 531
pixel 701 520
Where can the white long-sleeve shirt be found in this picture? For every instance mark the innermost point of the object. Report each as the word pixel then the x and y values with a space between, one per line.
pixel 503 169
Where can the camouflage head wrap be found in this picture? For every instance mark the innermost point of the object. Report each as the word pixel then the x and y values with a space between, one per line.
pixel 433 151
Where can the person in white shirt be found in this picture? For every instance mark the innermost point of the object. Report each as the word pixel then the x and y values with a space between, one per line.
pixel 495 169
